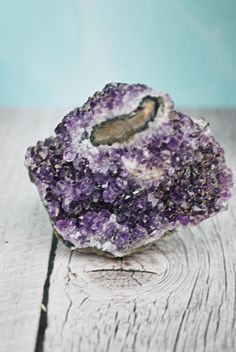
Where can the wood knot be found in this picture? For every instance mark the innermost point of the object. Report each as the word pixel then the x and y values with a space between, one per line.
pixel 140 272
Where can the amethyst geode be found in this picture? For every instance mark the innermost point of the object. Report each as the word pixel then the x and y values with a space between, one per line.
pixel 126 168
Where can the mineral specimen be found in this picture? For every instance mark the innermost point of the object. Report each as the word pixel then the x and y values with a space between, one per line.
pixel 125 169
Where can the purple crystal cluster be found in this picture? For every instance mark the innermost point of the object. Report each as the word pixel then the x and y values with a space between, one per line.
pixel 125 168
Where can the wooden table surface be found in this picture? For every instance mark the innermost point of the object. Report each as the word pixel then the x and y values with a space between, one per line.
pixel 180 295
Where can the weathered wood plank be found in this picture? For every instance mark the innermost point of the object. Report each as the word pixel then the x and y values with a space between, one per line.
pixel 178 296
pixel 25 233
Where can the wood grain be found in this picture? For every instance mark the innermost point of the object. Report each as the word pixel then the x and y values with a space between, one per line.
pixel 180 295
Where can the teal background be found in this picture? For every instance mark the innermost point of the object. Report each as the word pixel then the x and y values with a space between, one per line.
pixel 57 53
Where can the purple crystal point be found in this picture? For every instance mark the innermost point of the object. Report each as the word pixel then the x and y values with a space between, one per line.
pixel 126 168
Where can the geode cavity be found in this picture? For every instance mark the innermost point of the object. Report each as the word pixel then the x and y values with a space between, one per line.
pixel 126 168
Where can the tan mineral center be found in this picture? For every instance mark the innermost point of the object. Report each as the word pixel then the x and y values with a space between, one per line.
pixel 121 128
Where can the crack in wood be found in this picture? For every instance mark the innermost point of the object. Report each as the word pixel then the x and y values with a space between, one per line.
pixel 135 279
pixel 43 321
pixel 70 272
pixel 132 271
